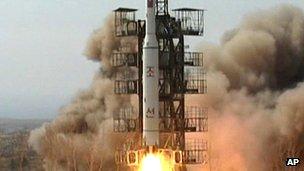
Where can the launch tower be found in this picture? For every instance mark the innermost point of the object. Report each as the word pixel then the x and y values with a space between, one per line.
pixel 178 73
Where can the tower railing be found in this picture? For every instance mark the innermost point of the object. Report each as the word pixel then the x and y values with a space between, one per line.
pixel 126 120
pixel 126 86
pixel 195 151
pixel 120 59
pixel 125 22
pixel 196 119
pixel 192 20
pixel 195 80
pixel 194 59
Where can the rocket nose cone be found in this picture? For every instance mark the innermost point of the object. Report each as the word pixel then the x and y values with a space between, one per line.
pixel 150 3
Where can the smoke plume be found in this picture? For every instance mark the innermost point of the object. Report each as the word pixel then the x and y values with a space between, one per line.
pixel 81 137
pixel 255 100
pixel 255 92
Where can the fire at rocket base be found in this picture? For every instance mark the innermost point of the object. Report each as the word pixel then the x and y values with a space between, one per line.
pixel 150 79
pixel 151 155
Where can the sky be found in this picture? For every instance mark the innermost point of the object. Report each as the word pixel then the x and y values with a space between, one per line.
pixel 42 65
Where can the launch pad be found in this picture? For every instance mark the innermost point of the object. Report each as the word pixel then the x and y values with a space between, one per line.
pixel 165 74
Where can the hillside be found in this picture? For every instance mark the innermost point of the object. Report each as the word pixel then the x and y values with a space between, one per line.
pixel 9 125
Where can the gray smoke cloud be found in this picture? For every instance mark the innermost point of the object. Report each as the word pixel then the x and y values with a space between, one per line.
pixel 255 99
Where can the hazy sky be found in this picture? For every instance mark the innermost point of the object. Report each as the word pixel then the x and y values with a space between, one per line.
pixel 42 41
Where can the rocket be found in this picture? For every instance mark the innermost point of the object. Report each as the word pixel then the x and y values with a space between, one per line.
pixel 150 79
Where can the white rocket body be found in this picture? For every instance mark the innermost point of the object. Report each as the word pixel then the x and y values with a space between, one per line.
pixel 150 79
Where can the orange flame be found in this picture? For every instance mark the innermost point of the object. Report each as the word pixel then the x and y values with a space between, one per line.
pixel 155 162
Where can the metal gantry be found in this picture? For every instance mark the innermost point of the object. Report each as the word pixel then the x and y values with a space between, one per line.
pixel 181 73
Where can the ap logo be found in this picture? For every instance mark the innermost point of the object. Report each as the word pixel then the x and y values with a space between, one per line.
pixel 292 161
